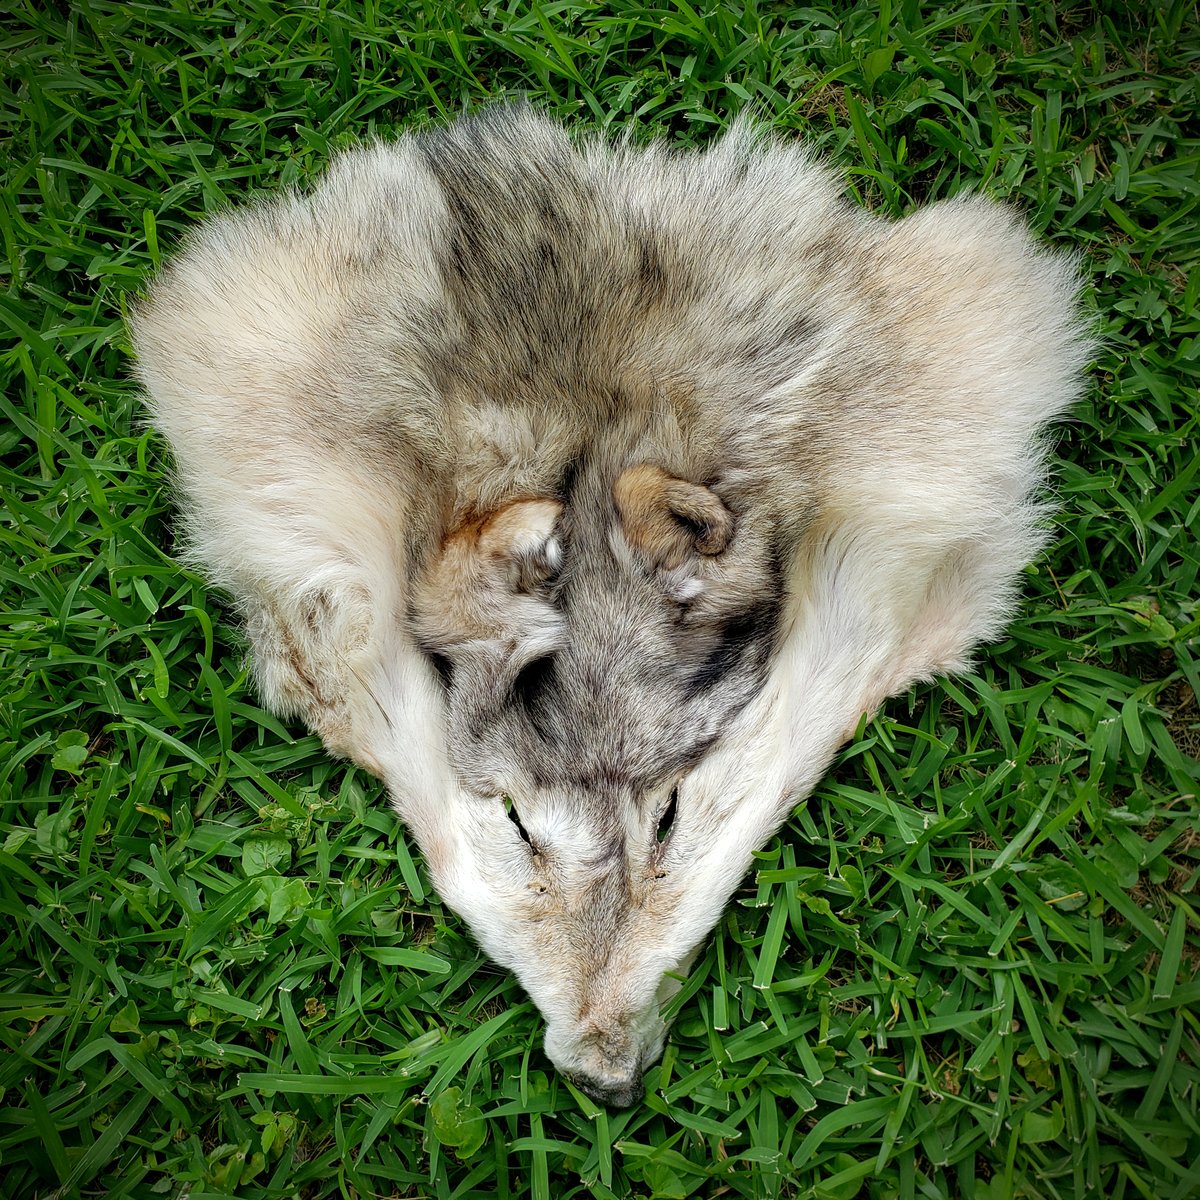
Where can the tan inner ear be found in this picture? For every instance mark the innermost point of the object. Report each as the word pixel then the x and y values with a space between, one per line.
pixel 518 527
pixel 670 519
pixel 479 587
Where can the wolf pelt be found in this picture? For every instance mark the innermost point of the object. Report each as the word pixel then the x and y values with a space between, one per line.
pixel 588 494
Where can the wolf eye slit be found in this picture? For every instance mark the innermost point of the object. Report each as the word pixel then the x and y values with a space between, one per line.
pixel 667 821
pixel 510 811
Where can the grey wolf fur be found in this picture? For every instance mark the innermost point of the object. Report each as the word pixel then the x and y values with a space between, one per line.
pixel 589 494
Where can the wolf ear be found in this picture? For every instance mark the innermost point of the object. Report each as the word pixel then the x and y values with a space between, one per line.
pixel 670 520
pixel 522 539
pixel 487 586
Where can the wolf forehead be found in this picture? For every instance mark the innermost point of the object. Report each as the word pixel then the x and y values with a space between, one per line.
pixel 616 664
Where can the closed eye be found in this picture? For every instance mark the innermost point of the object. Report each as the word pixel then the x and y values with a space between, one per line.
pixel 667 821
pixel 510 811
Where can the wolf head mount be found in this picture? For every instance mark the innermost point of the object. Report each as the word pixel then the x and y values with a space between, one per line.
pixel 588 496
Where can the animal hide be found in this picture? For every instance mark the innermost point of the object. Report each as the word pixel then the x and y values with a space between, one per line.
pixel 588 494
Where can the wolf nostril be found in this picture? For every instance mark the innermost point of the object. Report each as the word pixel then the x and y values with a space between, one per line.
pixel 612 1093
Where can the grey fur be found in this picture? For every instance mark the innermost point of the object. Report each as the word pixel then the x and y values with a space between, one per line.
pixel 827 427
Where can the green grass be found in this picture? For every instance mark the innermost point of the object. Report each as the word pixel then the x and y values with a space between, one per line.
pixel 967 967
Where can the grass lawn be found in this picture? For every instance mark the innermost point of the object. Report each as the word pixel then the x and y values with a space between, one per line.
pixel 970 964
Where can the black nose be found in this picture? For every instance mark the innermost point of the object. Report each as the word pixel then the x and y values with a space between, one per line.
pixel 612 1093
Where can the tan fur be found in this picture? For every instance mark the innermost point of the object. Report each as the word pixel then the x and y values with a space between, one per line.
pixel 483 585
pixel 669 519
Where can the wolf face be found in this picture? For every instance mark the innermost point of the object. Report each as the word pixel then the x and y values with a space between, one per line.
pixel 621 773
pixel 589 494
pixel 578 745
